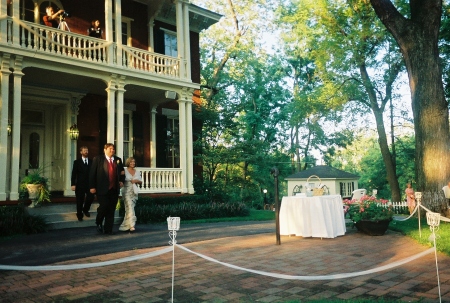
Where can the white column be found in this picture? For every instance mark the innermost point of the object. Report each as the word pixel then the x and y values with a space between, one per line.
pixel 153 138
pixel 109 29
pixel 187 40
pixel 151 34
pixel 110 110
pixel 189 143
pixel 182 130
pixel 180 36
pixel 118 28
pixel 3 20
pixel 17 108
pixel 119 142
pixel 4 102
pixel 16 15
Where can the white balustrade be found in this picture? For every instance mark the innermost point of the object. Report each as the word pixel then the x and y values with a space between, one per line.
pixel 160 180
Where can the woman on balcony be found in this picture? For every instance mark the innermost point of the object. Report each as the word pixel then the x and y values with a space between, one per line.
pixel 130 194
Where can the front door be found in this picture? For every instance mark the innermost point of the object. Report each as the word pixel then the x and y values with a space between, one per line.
pixel 31 149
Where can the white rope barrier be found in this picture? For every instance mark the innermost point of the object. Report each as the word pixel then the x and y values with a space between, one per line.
pixel 87 265
pixel 412 214
pixel 314 278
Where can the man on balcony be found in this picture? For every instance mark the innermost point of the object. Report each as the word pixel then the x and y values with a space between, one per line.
pixel 51 18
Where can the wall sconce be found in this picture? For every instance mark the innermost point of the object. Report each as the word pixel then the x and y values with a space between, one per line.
pixel 74 132
pixel 9 128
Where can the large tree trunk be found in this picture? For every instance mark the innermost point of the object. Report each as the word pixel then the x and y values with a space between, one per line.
pixel 418 41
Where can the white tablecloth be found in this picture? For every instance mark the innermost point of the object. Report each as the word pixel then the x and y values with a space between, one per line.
pixel 319 216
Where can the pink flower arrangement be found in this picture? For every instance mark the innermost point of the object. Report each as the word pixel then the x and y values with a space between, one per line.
pixel 368 208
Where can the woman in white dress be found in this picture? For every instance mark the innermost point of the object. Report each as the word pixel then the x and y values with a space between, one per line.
pixel 130 194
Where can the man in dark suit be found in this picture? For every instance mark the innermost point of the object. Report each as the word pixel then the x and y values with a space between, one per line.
pixel 80 183
pixel 106 177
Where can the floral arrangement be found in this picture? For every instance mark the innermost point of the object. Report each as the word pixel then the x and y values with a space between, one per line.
pixel 368 208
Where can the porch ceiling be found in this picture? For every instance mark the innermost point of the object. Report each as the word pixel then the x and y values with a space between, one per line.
pixel 86 85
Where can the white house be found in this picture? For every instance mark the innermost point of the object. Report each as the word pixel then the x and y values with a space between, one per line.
pixel 337 182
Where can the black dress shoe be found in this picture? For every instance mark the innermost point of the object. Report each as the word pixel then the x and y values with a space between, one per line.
pixel 80 219
pixel 100 228
pixel 87 214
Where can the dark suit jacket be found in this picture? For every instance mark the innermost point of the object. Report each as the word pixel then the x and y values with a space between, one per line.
pixel 99 176
pixel 80 174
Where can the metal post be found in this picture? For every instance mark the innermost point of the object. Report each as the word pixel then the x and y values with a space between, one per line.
pixel 274 171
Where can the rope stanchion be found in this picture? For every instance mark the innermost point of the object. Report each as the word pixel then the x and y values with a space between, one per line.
pixel 89 265
pixel 173 224
pixel 313 278
pixel 433 220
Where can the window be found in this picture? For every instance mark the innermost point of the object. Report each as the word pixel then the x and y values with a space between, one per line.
pixel 126 31
pixel 127 135
pixel 173 143
pixel 346 188
pixel 170 43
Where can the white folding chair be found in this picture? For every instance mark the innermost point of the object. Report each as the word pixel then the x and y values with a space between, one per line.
pixel 358 193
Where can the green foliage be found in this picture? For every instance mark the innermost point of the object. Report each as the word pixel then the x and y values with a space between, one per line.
pixel 155 213
pixel 35 176
pixel 15 220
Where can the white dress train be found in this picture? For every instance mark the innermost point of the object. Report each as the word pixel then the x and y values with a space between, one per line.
pixel 130 197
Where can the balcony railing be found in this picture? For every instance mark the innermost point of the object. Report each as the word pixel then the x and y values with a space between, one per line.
pixel 46 40
pixel 160 180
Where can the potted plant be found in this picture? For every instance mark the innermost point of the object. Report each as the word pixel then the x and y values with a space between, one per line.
pixel 369 214
pixel 34 186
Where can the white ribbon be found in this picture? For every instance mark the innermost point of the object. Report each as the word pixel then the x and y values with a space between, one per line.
pixel 315 278
pixel 88 265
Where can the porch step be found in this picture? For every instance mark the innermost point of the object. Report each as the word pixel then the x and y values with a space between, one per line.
pixel 60 216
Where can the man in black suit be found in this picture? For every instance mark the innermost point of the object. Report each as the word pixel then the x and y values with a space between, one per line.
pixel 106 177
pixel 80 183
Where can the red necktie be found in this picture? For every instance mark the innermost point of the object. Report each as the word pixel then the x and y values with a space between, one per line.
pixel 111 173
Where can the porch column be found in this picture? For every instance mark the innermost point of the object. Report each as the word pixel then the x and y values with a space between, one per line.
pixel 183 131
pixel 109 30
pixel 110 110
pixel 187 40
pixel 153 138
pixel 119 134
pixel 15 25
pixel 151 34
pixel 180 37
pixel 17 108
pixel 3 20
pixel 189 141
pixel 4 102
pixel 118 28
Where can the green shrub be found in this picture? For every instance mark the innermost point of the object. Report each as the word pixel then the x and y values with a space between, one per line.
pixel 154 213
pixel 16 220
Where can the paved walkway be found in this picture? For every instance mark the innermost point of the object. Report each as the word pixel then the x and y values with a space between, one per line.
pixel 199 280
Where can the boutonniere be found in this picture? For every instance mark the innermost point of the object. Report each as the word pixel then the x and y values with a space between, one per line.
pixel 118 161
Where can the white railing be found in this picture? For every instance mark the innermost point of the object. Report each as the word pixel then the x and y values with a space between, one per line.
pixel 47 40
pixel 142 60
pixel 160 180
pixel 63 43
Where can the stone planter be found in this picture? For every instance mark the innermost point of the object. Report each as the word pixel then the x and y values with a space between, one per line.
pixel 373 228
pixel 33 193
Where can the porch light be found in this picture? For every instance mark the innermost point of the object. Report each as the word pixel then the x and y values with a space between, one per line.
pixel 74 132
pixel 9 128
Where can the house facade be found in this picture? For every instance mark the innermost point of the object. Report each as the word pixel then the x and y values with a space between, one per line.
pixel 136 87
pixel 337 182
